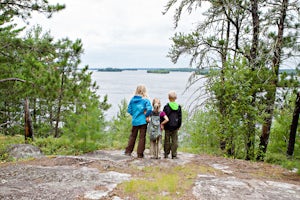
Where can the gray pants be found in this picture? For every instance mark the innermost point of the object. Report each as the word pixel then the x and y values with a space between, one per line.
pixel 155 147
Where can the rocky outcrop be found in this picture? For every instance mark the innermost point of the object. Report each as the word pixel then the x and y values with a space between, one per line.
pixel 24 151
pixel 96 176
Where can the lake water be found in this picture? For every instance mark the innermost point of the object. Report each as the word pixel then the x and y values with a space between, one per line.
pixel 122 85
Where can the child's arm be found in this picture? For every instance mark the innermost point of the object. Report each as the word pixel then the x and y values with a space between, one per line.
pixel 162 124
pixel 148 119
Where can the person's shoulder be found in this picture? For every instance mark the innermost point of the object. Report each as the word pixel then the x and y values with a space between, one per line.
pixel 147 102
pixel 166 108
pixel 162 113
pixel 146 99
pixel 179 107
pixel 167 105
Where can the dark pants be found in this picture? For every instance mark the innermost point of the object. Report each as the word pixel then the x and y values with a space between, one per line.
pixel 142 140
pixel 171 142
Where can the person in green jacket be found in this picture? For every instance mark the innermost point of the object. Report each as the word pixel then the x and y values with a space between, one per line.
pixel 174 113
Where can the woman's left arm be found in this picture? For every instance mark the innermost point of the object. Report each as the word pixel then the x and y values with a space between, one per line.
pixel 148 107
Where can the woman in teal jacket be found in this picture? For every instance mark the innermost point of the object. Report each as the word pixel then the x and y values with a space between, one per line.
pixel 139 108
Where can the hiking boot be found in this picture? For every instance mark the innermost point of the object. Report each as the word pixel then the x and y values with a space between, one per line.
pixel 140 156
pixel 166 156
pixel 127 154
pixel 174 157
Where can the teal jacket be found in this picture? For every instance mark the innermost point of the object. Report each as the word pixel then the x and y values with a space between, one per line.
pixel 139 108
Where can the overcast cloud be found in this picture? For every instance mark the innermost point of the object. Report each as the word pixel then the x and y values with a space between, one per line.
pixel 117 33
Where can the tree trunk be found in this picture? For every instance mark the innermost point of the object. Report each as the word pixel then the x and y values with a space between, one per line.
pixel 294 125
pixel 56 134
pixel 266 128
pixel 250 136
pixel 61 92
pixel 28 122
pixel 271 93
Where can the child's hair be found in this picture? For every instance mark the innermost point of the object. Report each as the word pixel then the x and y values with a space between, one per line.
pixel 141 91
pixel 172 95
pixel 156 104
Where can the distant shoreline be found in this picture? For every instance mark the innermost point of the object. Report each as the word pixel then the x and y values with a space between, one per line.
pixel 152 70
pixel 168 70
pixel 147 69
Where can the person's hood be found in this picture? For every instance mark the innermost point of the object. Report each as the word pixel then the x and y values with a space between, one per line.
pixel 174 105
pixel 137 98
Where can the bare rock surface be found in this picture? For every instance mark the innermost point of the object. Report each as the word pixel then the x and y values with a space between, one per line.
pixel 96 175
pixel 23 151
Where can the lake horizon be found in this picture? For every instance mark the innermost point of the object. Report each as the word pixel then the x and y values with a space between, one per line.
pixel 121 85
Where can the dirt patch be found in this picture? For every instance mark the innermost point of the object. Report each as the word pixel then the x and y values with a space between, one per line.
pixel 96 176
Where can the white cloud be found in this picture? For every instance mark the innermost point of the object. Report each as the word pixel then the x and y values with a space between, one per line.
pixel 115 33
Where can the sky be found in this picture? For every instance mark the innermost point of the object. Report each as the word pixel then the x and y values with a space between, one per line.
pixel 118 33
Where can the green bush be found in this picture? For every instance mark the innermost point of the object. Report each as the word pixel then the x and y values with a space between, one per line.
pixel 119 128
pixel 201 133
pixel 54 146
pixel 279 138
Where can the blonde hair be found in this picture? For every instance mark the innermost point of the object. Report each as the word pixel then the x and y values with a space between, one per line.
pixel 172 95
pixel 141 91
pixel 156 104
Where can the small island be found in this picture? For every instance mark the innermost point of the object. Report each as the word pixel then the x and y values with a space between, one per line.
pixel 158 71
pixel 110 69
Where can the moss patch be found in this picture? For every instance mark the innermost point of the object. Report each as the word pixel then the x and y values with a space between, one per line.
pixel 163 182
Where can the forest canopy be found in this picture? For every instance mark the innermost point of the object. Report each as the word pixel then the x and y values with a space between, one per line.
pixel 39 76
